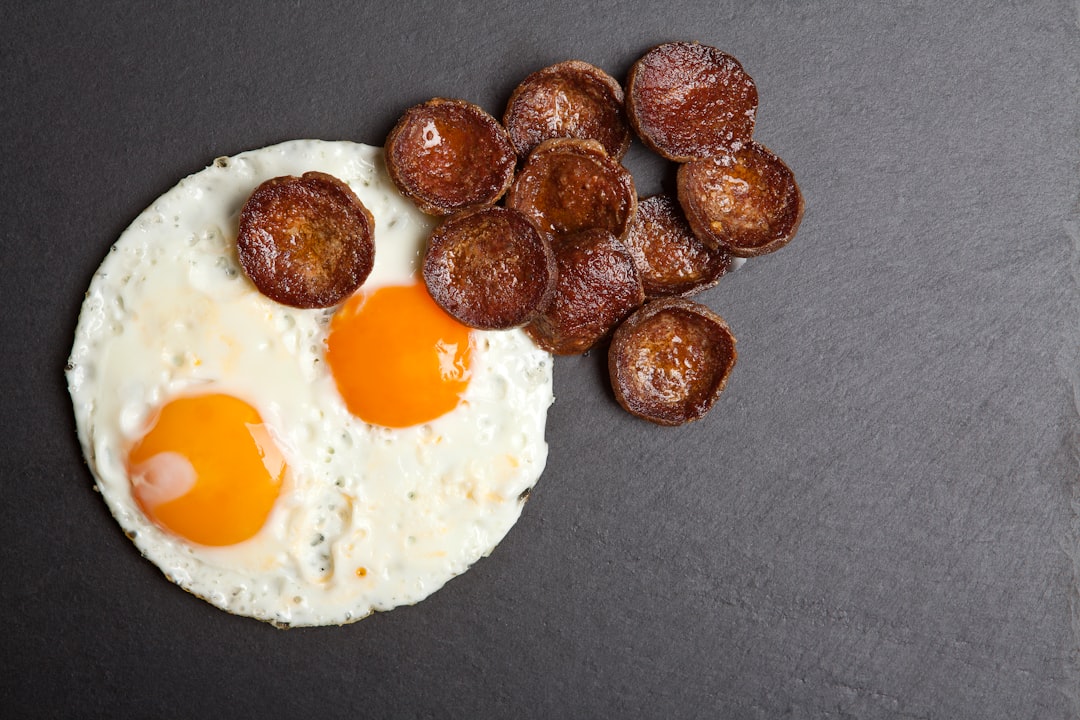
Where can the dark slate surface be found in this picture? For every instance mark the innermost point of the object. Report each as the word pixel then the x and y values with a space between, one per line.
pixel 878 520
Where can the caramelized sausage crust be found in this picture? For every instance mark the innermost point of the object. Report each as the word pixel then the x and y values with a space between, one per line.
pixel 490 268
pixel 746 201
pixel 571 99
pixel 570 185
pixel 447 155
pixel 670 360
pixel 670 258
pixel 688 100
pixel 597 287
pixel 306 241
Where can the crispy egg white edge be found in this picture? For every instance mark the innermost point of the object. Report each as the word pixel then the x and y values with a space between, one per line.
pixel 101 317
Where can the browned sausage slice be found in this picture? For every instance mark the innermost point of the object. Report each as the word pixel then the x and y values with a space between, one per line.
pixel 670 360
pixel 570 99
pixel 446 155
pixel 569 185
pixel 490 268
pixel 688 100
pixel 597 287
pixel 306 241
pixel 746 201
pixel 670 258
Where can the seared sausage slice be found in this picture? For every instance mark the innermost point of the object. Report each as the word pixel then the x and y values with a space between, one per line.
pixel 569 185
pixel 597 287
pixel 688 101
pixel 306 241
pixel 446 155
pixel 746 201
pixel 670 360
pixel 670 258
pixel 570 99
pixel 490 268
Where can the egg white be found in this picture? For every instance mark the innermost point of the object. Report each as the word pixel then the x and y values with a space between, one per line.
pixel 369 518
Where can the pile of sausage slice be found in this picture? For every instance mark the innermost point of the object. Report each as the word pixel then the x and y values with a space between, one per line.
pixel 542 227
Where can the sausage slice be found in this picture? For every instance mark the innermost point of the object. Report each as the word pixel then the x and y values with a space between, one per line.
pixel 570 99
pixel 597 287
pixel 688 100
pixel 446 155
pixel 670 258
pixel 670 360
pixel 570 185
pixel 490 268
pixel 306 241
pixel 746 201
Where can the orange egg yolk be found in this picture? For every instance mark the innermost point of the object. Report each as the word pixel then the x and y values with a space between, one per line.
pixel 398 358
pixel 207 470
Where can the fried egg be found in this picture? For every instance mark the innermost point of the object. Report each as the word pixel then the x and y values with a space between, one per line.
pixel 302 467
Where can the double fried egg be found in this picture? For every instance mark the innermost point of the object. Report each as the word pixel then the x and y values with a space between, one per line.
pixel 303 467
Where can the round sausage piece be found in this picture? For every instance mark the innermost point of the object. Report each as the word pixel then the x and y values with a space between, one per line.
pixel 490 268
pixel 570 185
pixel 688 101
pixel 597 287
pixel 571 99
pixel 447 155
pixel 670 360
pixel 746 201
pixel 306 241
pixel 670 258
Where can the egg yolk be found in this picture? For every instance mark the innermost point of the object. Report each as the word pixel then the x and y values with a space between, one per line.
pixel 207 469
pixel 398 358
